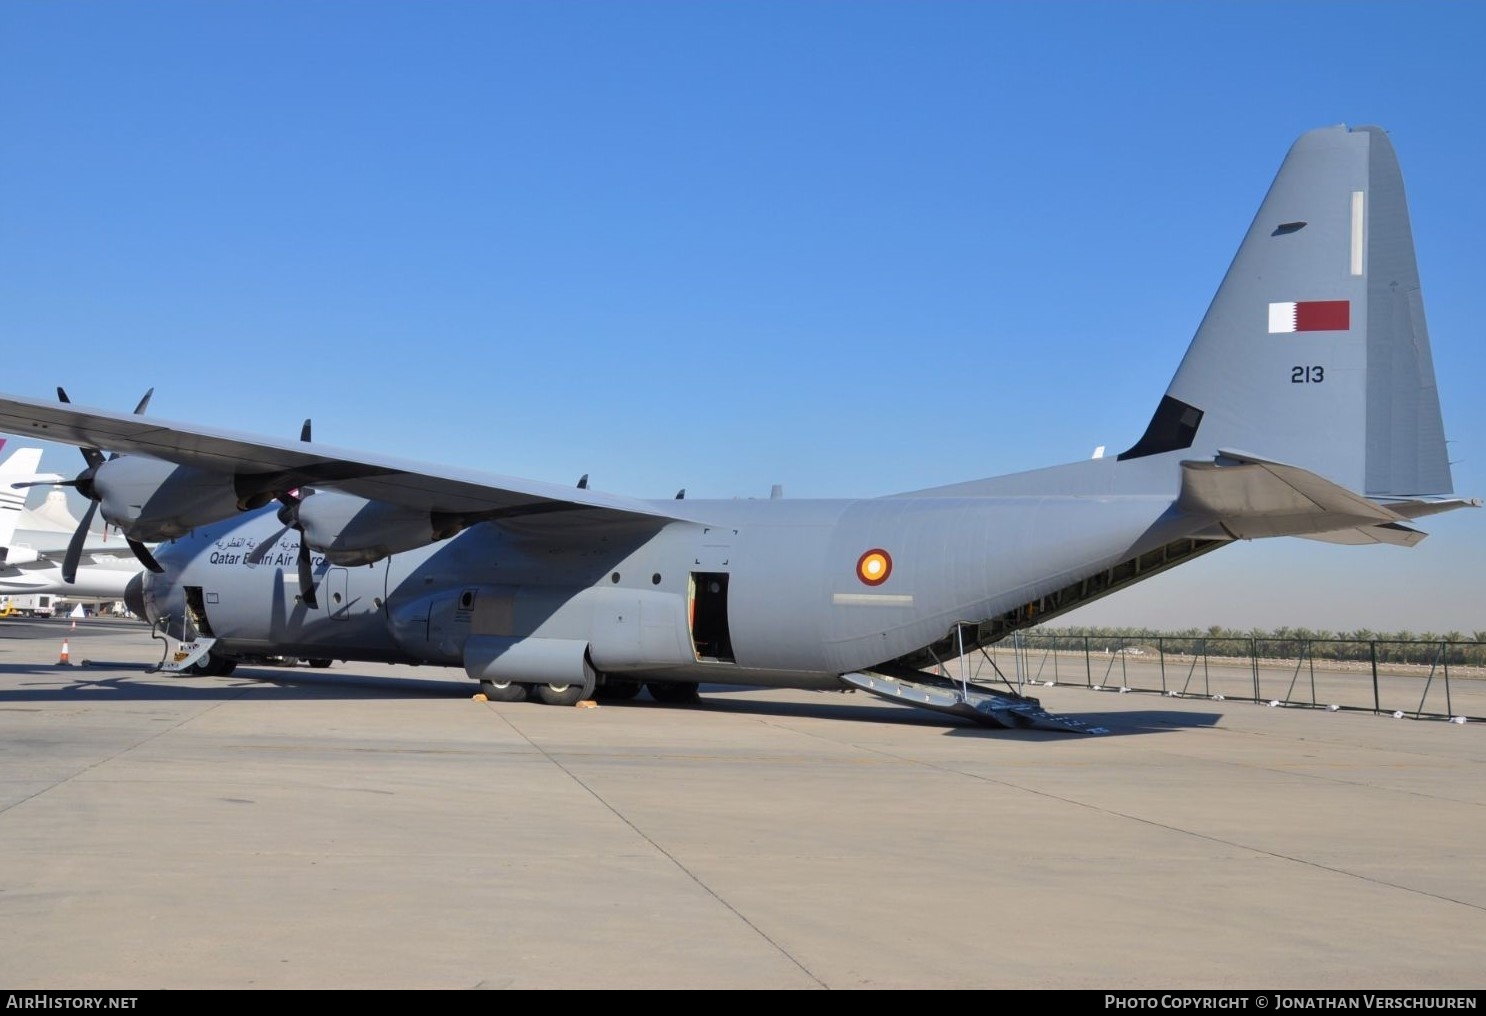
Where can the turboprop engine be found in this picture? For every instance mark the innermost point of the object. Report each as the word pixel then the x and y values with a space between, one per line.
pixel 352 530
pixel 150 500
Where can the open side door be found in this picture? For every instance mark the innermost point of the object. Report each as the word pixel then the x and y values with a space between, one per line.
pixel 707 616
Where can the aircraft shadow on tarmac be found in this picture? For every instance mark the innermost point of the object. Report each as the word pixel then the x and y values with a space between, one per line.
pixel 1105 724
pixel 96 680
pixel 104 680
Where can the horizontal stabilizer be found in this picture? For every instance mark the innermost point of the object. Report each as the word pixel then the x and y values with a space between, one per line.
pixel 1392 532
pixel 1419 509
pixel 1388 532
pixel 1250 498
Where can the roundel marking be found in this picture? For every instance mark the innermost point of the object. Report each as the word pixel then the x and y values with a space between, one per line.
pixel 874 567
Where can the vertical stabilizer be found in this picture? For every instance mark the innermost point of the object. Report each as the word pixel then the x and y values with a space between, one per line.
pixel 22 465
pixel 1314 351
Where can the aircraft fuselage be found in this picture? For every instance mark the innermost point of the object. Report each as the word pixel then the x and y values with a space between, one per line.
pixel 767 593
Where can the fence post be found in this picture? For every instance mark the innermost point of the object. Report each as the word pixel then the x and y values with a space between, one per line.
pixel 1445 657
pixel 1372 648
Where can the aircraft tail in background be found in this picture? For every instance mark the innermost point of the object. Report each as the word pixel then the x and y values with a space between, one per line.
pixel 21 466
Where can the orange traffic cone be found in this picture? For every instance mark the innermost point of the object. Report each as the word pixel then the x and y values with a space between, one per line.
pixel 64 661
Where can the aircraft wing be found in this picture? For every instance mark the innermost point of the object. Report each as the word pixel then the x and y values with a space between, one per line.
pixel 291 464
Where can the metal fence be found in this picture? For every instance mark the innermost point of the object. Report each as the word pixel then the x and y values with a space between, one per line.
pixel 1419 679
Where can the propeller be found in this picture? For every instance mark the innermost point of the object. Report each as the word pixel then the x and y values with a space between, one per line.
pixel 289 516
pixel 83 484
pixel 75 545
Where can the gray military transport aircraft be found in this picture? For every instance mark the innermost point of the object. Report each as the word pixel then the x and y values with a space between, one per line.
pixel 1305 406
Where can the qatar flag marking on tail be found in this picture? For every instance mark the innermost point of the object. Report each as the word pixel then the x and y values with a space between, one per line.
pixel 1310 316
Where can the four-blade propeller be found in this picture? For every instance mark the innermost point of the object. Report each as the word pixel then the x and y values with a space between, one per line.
pixel 289 516
pixel 84 485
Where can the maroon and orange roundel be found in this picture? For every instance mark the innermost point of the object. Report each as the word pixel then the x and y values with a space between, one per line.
pixel 874 567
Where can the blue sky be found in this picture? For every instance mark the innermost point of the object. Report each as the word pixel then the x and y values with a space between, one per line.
pixel 848 248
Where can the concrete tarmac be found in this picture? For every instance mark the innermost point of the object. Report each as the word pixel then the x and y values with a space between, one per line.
pixel 368 826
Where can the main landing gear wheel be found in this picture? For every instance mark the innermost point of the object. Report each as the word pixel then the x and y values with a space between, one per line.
pixel 615 689
pixel 212 665
pixel 674 694
pixel 559 694
pixel 506 691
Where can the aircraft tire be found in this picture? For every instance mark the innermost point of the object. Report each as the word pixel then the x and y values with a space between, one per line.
pixel 507 691
pixel 559 694
pixel 615 689
pixel 319 663
pixel 674 694
pixel 212 665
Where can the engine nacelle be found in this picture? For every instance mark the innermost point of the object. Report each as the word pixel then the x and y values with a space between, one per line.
pixel 151 500
pixel 351 530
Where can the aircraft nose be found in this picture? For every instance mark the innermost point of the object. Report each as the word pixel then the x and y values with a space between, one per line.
pixel 134 597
